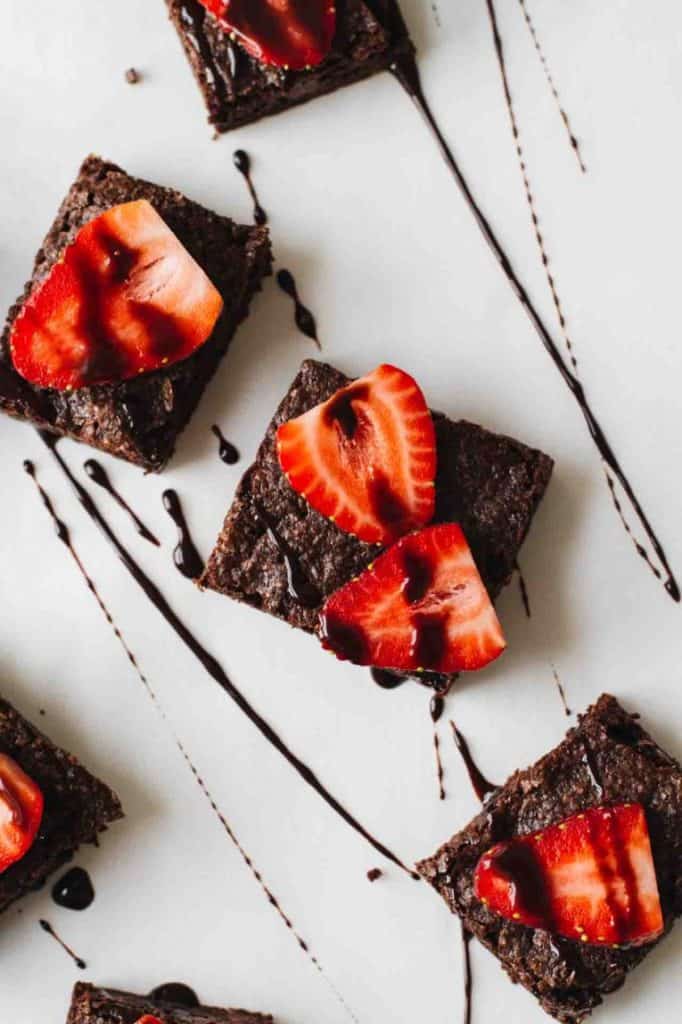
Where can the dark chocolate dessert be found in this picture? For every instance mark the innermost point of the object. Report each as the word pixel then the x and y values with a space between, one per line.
pixel 92 1005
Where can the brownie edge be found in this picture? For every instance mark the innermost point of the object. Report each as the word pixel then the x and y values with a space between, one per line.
pixel 606 758
pixel 92 1005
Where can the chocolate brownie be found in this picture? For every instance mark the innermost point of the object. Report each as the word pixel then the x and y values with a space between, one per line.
pixel 607 758
pixel 238 89
pixel 77 805
pixel 92 1005
pixel 140 419
pixel 488 483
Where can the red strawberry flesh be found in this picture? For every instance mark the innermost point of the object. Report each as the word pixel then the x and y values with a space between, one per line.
pixel 420 605
pixel 590 878
pixel 21 812
pixel 366 458
pixel 293 34
pixel 148 1019
pixel 125 298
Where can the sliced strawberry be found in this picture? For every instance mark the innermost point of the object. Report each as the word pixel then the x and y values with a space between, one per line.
pixel 366 458
pixel 293 34
pixel 125 298
pixel 420 605
pixel 590 878
pixel 148 1019
pixel 21 812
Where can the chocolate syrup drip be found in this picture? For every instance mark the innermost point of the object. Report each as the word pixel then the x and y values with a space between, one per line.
pixel 406 72
pixel 175 992
pixel 74 890
pixel 193 16
pixel 562 692
pixel 436 707
pixel 468 979
pixel 373 874
pixel 209 663
pixel 186 558
pixel 523 590
pixel 439 765
pixel 61 529
pixel 386 679
pixel 162 714
pixel 575 145
pixel 99 476
pixel 526 875
pixel 482 787
pixel 299 586
pixel 226 450
pixel 242 162
pixel 340 409
pixel 592 768
pixel 47 927
pixel 304 319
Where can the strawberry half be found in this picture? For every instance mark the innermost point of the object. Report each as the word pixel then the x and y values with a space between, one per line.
pixel 420 605
pixel 366 458
pixel 125 298
pixel 293 34
pixel 590 878
pixel 21 812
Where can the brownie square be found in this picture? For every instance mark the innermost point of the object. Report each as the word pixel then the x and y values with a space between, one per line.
pixel 607 758
pixel 92 1005
pixel 488 483
pixel 77 805
pixel 140 419
pixel 238 89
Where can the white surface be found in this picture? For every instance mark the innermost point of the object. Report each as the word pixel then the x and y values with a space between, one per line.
pixel 389 259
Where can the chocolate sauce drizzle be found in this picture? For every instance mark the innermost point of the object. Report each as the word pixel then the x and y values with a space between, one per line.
pixel 406 72
pixel 63 534
pixel 592 768
pixel 74 890
pixel 523 590
pixel 299 586
pixel 226 450
pixel 575 145
pixel 386 679
pixel 304 319
pixel 562 692
pixel 436 708
pixel 186 558
pixel 209 663
pixel 98 474
pixel 482 787
pixel 79 962
pixel 242 161
pixel 175 992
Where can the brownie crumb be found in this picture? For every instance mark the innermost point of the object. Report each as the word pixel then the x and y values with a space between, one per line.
pixel 133 76
pixel 373 874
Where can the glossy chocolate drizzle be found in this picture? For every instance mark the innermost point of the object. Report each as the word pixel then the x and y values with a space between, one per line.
pixel 242 162
pixel 74 890
pixel 575 145
pixel 176 993
pixel 299 585
pixel 98 474
pixel 186 558
pixel 304 319
pixel 208 662
pixel 482 787
pixel 468 978
pixel 63 533
pixel 226 450
pixel 523 590
pixel 386 679
pixel 406 72
pixel 562 692
pixel 79 962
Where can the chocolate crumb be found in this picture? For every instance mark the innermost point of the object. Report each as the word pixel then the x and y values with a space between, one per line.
pixel 133 76
pixel 374 873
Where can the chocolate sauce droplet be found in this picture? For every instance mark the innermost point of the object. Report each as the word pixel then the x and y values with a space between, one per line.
pixel 74 890
pixel 186 558
pixel 436 707
pixel 175 992
pixel 304 319
pixel 226 450
pixel 406 72
pixel 98 474
pixel 374 873
pixel 242 162
pixel 386 679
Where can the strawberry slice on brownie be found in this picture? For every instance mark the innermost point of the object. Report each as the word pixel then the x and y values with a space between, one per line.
pixel 125 298
pixel 590 878
pixel 421 605
pixel 366 458
pixel 21 812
